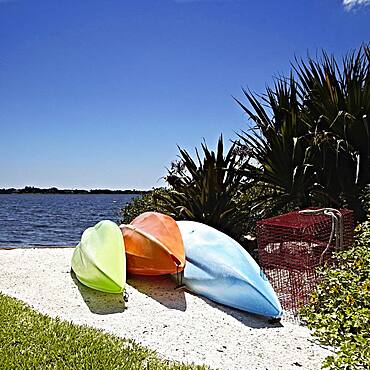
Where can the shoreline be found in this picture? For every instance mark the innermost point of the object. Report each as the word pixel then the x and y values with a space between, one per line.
pixel 11 247
pixel 178 325
pixel 53 190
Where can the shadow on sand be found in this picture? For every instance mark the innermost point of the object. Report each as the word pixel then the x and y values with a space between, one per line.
pixel 99 302
pixel 247 319
pixel 161 289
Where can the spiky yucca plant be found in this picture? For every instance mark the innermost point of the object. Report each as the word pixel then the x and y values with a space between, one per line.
pixel 204 190
pixel 277 144
pixel 311 140
pixel 337 106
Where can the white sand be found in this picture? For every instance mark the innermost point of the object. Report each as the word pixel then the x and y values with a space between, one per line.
pixel 177 324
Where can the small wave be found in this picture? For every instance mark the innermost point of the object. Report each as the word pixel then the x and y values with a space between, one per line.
pixel 42 226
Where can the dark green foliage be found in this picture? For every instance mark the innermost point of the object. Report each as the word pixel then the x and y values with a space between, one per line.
pixel 339 311
pixel 246 210
pixel 276 143
pixel 257 201
pixel 365 197
pixel 54 190
pixel 148 202
pixel 311 140
pixel 212 191
pixel 30 340
pixel 206 190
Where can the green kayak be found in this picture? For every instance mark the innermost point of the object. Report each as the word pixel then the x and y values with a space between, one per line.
pixel 99 259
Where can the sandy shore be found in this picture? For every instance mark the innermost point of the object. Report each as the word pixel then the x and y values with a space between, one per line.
pixel 177 324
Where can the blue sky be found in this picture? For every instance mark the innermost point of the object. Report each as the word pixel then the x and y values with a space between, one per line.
pixel 98 93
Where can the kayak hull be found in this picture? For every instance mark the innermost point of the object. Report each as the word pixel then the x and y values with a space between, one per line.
pixel 99 259
pixel 220 269
pixel 153 245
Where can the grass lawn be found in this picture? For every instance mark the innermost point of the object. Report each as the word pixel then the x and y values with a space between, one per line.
pixel 31 340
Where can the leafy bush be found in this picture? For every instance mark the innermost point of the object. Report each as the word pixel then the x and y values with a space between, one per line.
pixel 339 311
pixel 148 202
pixel 245 205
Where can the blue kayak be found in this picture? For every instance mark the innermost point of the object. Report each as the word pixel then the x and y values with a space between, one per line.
pixel 220 269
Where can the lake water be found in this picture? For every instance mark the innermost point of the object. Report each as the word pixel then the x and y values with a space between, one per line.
pixel 28 220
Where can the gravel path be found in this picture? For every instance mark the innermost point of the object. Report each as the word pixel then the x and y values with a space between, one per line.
pixel 177 324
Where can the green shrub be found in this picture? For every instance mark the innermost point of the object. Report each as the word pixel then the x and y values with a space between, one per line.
pixel 245 207
pixel 148 202
pixel 339 312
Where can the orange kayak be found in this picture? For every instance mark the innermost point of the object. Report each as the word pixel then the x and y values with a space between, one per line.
pixel 153 245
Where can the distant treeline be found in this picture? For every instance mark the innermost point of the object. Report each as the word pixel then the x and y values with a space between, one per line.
pixel 34 190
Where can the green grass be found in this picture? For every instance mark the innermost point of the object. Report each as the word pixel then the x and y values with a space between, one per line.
pixel 30 340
